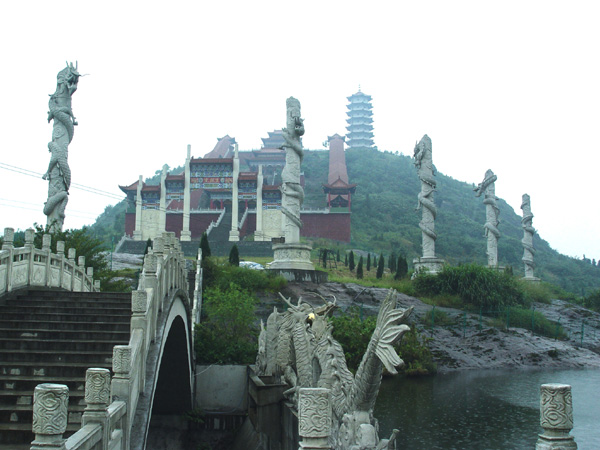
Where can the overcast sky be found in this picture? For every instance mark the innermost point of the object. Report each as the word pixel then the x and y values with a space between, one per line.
pixel 511 86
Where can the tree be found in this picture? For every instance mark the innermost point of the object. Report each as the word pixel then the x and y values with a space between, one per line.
pixel 234 256
pixel 380 266
pixel 325 258
pixel 148 246
pixel 346 260
pixel 392 262
pixel 368 262
pixel 338 256
pixel 401 268
pixel 359 269
pixel 351 261
pixel 204 246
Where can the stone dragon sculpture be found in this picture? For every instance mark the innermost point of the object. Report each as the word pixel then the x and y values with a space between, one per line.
pixel 424 165
pixel 59 173
pixel 291 188
pixel 528 232
pixel 487 187
pixel 298 347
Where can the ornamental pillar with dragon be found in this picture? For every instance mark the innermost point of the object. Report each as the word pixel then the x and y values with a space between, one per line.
pixel 527 241
pixel 59 173
pixel 424 164
pixel 488 188
pixel 292 255
pixel 297 347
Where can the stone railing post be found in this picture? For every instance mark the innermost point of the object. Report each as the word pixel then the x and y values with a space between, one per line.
pixel 314 418
pixel 121 384
pixel 50 402
pixel 81 264
pixel 97 285
pixel 90 274
pixel 197 291
pixel 556 418
pixel 29 236
pixel 60 252
pixel 97 398
pixel 8 245
pixel 46 242
pixel 71 258
pixel 139 320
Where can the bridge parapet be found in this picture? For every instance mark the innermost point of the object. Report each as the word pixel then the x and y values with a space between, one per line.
pixel 163 273
pixel 28 266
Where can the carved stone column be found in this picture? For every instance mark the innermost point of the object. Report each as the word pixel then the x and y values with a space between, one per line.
pixel 424 164
pixel 186 234
pixel 97 398
pixel 258 234
pixel 234 234
pixel 162 214
pixel 314 418
pixel 556 418
pixel 527 241
pixel 137 233
pixel 488 188
pixel 50 402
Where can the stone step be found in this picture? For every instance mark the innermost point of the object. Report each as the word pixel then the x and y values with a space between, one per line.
pixel 68 303
pixel 70 325
pixel 75 308
pixel 28 383
pixel 32 344
pixel 63 317
pixel 12 435
pixel 57 356
pixel 48 334
pixel 49 370
pixel 40 293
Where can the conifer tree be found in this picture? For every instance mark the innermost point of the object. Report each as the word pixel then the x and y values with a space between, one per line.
pixel 359 269
pixel 368 261
pixel 234 256
pixel 351 261
pixel 338 256
pixel 346 260
pixel 401 268
pixel 325 258
pixel 380 267
pixel 392 262
pixel 204 246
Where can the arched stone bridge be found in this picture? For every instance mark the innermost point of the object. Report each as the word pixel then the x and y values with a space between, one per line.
pixel 153 373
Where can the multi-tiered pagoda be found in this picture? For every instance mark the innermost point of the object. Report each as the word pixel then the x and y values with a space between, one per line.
pixel 360 121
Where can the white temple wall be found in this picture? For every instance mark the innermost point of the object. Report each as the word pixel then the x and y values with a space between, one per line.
pixel 150 224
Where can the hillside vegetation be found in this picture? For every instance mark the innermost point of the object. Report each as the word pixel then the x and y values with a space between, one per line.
pixel 384 219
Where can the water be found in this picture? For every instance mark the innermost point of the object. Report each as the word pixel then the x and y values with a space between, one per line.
pixel 483 410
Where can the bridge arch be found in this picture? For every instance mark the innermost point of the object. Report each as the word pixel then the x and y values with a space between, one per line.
pixel 169 386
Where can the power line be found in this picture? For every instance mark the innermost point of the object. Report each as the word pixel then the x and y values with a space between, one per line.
pixel 81 187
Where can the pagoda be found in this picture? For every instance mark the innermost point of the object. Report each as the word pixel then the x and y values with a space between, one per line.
pixel 360 121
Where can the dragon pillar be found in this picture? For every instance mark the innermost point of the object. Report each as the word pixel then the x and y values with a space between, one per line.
pixel 488 188
pixel 424 164
pixel 59 173
pixel 527 241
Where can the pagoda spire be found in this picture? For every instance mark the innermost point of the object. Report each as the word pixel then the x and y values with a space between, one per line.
pixel 360 121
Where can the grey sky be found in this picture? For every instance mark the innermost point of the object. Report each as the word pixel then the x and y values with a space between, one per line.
pixel 509 86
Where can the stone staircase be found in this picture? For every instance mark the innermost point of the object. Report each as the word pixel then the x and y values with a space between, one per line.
pixel 52 336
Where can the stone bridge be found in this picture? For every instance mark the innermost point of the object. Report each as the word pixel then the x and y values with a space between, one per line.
pixel 153 373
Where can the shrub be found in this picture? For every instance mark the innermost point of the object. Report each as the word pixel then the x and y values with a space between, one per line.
pixel 415 353
pixel 204 246
pixel 226 334
pixel 351 261
pixel 592 301
pixel 359 269
pixel 401 268
pixel 380 266
pixel 234 256
pixel 476 285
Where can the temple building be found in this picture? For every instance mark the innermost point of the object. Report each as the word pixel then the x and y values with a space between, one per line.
pixel 360 121
pixel 188 203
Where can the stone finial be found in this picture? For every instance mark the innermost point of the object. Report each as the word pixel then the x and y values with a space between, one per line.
pixel 60 248
pixel 50 403
pixel 150 263
pixel 122 359
pixel 29 237
pixel 556 418
pixel 139 301
pixel 158 245
pixel 97 387
pixel 97 285
pixel 90 271
pixel 314 417
pixel 71 254
pixel 46 241
pixel 81 261
pixel 9 237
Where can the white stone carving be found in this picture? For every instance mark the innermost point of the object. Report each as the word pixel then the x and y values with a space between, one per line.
pixel 50 403
pixel 97 386
pixel 488 188
pixel 527 241
pixel 297 347
pixel 556 418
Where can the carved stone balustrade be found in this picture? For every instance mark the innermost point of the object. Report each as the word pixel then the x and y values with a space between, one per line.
pixel 556 418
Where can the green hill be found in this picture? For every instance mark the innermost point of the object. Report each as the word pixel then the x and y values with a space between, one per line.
pixel 384 218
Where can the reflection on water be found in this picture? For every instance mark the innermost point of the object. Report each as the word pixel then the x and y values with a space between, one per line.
pixel 482 410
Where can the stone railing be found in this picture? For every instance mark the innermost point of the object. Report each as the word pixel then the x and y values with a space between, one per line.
pixel 163 273
pixel 197 306
pixel 215 224
pixel 243 219
pixel 29 266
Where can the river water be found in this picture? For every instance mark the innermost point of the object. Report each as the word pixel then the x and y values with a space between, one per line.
pixel 483 410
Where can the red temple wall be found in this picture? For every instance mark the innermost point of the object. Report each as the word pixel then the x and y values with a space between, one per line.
pixel 330 226
pixel 129 224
